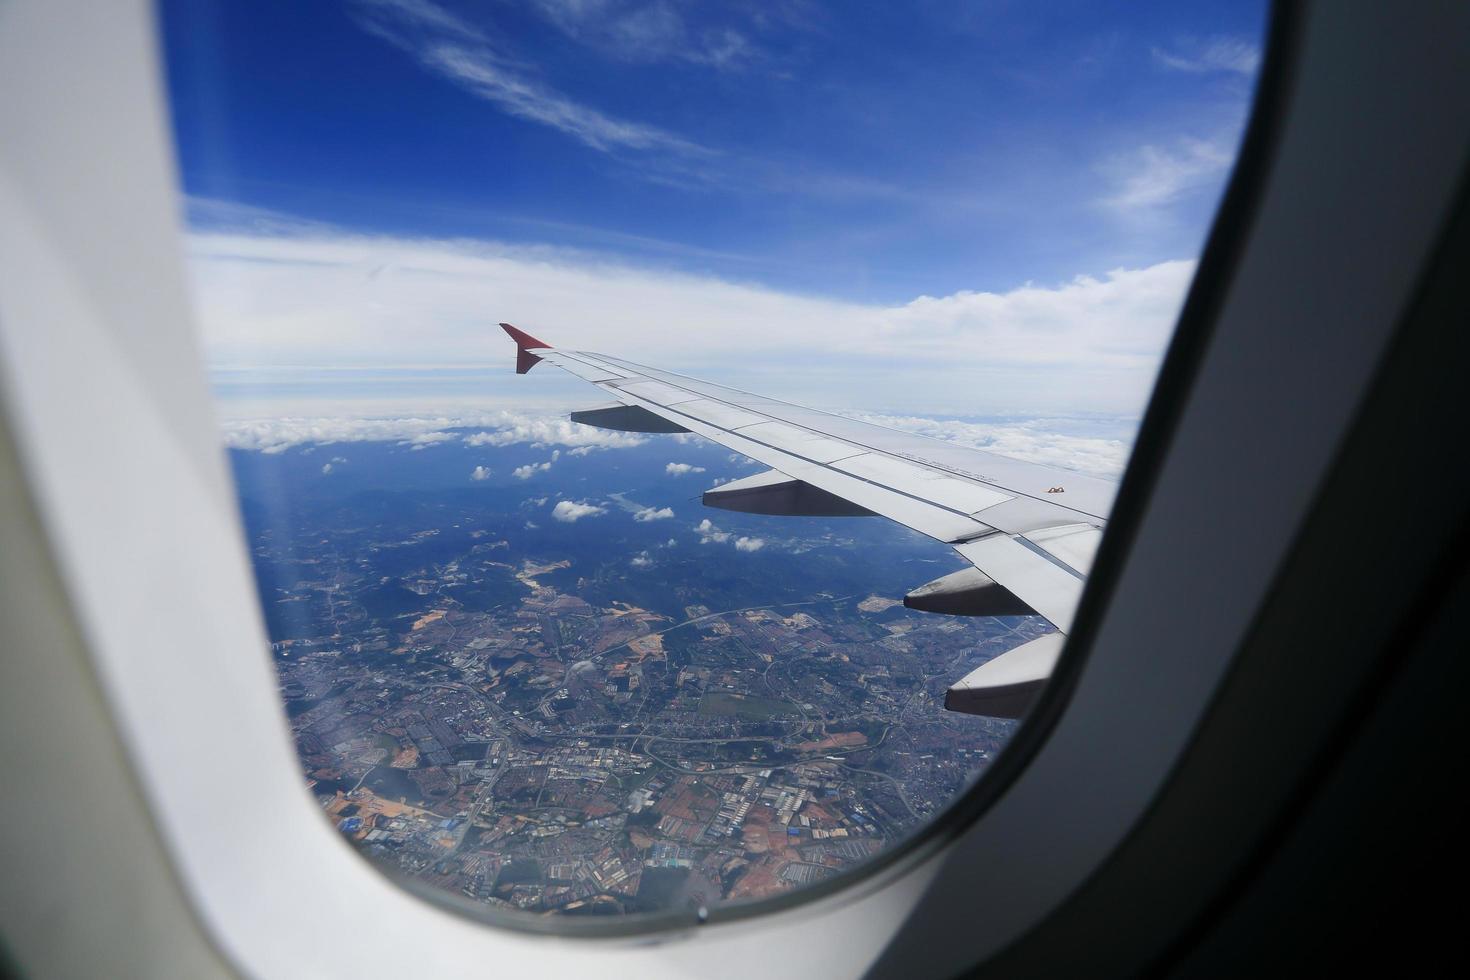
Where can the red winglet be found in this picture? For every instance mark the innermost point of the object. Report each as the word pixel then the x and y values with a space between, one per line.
pixel 525 360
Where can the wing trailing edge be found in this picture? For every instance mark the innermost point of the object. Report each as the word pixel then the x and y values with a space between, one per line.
pixel 1028 530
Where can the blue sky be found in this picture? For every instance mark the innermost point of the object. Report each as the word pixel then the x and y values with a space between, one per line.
pixel 914 166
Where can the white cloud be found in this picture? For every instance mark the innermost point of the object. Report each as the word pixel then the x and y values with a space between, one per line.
pixel 276 435
pixel 568 511
pixel 1219 54
pixel 1156 176
pixel 465 55
pixel 326 468
pixel 536 501
pixel 646 32
pixel 671 543
pixel 641 560
pixel 539 430
pixel 480 473
pixel 1045 440
pixel 679 469
pixel 305 298
pixel 427 439
pixel 532 526
pixel 530 470
pixel 650 514
pixel 708 532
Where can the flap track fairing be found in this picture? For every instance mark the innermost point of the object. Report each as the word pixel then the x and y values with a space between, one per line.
pixel 967 592
pixel 774 493
pixel 626 418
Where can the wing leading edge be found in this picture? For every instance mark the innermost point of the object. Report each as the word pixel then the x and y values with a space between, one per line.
pixel 1028 531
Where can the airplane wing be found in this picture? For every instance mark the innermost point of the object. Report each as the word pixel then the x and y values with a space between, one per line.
pixel 1028 531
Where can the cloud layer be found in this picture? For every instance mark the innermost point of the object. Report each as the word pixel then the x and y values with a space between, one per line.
pixel 544 431
pixel 277 434
pixel 320 300
pixel 1035 440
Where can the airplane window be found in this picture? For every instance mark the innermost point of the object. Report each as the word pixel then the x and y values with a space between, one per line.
pixel 671 439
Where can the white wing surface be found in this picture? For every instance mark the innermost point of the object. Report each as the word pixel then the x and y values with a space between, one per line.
pixel 1028 530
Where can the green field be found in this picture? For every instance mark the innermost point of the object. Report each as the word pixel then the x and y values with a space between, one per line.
pixel 725 704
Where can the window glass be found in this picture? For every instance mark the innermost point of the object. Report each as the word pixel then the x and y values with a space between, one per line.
pixel 523 661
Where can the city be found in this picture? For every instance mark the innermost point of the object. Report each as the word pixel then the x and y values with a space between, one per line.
pixel 491 721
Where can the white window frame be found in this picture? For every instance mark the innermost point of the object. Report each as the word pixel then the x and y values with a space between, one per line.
pixel 103 387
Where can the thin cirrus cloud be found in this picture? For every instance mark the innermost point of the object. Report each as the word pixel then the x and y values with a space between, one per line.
pixel 458 51
pixel 1216 54
pixel 1157 176
pixel 470 58
pixel 647 33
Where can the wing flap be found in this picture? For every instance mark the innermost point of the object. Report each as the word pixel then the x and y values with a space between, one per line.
pixel 1037 579
pixel 1074 545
